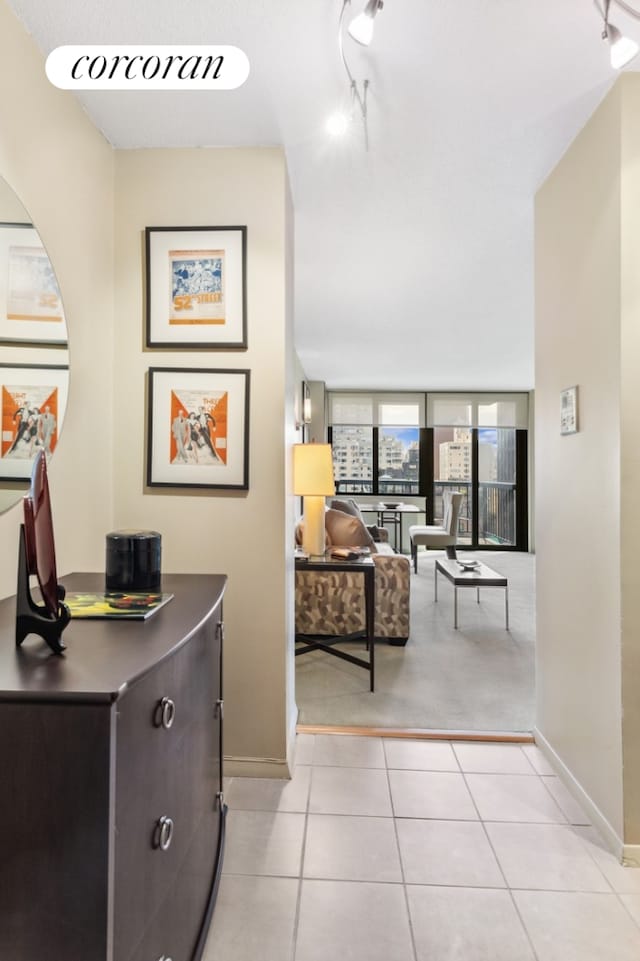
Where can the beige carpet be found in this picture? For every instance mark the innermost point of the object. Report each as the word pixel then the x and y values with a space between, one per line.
pixel 478 678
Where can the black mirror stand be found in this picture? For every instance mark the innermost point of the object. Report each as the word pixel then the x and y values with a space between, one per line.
pixel 32 618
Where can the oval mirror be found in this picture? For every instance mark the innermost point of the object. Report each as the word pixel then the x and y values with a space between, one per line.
pixel 34 359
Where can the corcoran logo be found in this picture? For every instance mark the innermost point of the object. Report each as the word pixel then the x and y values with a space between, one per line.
pixel 147 67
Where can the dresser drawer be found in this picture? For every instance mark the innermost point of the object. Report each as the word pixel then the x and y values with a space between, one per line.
pixel 172 932
pixel 167 778
pixel 166 701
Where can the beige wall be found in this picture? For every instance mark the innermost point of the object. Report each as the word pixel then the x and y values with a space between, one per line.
pixel 62 170
pixel 578 479
pixel 240 534
pixel 630 449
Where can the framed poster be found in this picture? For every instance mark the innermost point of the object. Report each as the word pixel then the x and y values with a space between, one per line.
pixel 33 400
pixel 198 428
pixel 569 410
pixel 31 311
pixel 196 287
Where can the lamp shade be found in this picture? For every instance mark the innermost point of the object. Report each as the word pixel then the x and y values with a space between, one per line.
pixel 313 470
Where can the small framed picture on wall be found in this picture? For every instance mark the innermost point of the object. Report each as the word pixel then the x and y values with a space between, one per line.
pixel 33 399
pixel 569 411
pixel 196 287
pixel 198 428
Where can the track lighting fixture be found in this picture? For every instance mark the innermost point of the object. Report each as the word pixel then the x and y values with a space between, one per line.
pixel 623 49
pixel 361 30
pixel 361 27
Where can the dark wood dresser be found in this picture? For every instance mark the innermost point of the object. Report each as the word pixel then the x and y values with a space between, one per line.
pixel 111 804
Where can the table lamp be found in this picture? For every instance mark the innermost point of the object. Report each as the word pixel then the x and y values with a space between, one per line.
pixel 313 480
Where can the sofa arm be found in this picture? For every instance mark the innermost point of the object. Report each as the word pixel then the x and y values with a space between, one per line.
pixel 393 579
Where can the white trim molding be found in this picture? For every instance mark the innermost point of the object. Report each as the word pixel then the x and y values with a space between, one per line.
pixel 276 767
pixel 609 835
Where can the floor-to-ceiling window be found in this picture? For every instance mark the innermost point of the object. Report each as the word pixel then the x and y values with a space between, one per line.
pixel 479 444
pixel 421 445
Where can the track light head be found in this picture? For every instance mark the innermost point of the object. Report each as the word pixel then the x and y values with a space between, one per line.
pixel 361 27
pixel 623 49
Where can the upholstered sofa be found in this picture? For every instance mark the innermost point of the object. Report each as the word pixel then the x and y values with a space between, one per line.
pixel 333 603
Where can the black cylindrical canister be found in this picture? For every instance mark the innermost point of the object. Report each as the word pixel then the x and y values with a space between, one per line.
pixel 133 561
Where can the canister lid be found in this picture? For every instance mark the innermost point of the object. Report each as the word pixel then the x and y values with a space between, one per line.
pixel 134 542
pixel 133 535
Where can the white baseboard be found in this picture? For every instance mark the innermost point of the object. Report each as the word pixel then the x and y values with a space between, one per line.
pixel 631 855
pixel 599 821
pixel 291 741
pixel 276 767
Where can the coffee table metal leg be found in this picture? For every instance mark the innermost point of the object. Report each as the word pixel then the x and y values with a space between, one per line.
pixel 435 583
pixel 455 608
pixel 506 608
pixel 478 592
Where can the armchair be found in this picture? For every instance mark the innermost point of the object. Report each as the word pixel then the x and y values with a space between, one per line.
pixel 438 536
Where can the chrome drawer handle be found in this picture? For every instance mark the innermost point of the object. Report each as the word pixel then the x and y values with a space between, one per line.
pixel 165 713
pixel 165 957
pixel 163 833
pixel 218 709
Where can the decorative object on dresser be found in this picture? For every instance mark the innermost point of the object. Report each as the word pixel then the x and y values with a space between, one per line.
pixel 111 801
pixel 37 557
pixel 133 561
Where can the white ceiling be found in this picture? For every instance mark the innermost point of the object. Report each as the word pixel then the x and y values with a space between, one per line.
pixel 414 260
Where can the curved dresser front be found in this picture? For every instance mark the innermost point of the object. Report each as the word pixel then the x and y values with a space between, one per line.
pixel 111 805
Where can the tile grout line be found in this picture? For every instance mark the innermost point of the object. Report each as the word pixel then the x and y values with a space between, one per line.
pixel 500 868
pixel 625 908
pixel 296 920
pixel 400 861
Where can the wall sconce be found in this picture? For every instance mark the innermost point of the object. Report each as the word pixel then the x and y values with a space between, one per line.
pixel 306 403
pixel 303 416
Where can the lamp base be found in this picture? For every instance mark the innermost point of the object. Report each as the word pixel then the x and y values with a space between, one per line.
pixel 313 538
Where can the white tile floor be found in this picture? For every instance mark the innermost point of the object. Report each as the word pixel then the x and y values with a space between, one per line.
pixel 396 850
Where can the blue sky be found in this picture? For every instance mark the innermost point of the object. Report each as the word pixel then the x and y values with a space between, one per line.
pixel 406 434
